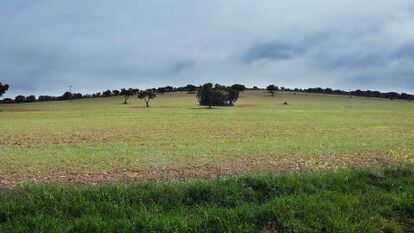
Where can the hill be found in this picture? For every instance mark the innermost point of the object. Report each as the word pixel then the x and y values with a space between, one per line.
pixel 100 140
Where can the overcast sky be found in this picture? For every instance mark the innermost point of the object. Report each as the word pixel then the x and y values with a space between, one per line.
pixel 93 45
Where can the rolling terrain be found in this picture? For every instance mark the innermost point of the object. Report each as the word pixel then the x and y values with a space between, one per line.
pixel 319 163
pixel 100 140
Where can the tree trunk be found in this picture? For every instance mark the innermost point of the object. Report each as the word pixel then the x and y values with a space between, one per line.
pixel 147 103
pixel 125 99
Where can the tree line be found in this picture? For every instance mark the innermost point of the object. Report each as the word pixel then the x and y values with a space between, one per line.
pixel 360 93
pixel 207 94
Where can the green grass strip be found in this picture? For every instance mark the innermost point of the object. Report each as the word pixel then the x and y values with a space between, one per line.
pixel 341 201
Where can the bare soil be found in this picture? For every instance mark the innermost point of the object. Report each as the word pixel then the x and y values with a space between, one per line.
pixel 194 170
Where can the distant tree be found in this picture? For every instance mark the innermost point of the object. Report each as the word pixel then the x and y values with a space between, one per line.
pixel 272 89
pixel 115 92
pixel 77 96
pixel 146 96
pixel 329 91
pixel 30 98
pixel 20 99
pixel 46 98
pixel 217 95
pixel 42 98
pixel 107 93
pixel 191 89
pixel 208 96
pixel 3 89
pixel 66 96
pixel 255 88
pixel 169 89
pixel 7 101
pixel 238 87
pixel 161 90
pixel 232 96
pixel 406 96
pixel 126 93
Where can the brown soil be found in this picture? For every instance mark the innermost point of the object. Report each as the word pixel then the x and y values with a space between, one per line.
pixel 30 139
pixel 407 225
pixel 194 170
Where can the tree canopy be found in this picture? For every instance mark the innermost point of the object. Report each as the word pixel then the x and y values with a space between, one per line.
pixel 217 95
pixel 107 93
pixel 238 87
pixel 3 89
pixel 146 96
pixel 191 89
pixel 126 93
pixel 272 89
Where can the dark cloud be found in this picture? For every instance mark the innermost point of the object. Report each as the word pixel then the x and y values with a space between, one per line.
pixel 45 46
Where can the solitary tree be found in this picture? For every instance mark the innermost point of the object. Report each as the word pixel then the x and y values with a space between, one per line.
pixel 3 89
pixel 272 89
pixel 126 93
pixel 146 96
pixel 217 95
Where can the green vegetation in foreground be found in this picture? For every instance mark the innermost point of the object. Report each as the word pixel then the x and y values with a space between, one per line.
pixel 344 201
pixel 103 134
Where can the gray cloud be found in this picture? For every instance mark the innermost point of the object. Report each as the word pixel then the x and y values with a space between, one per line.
pixel 272 51
pixel 47 45
pixel 180 67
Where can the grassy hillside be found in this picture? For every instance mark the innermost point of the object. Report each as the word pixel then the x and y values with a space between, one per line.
pixel 95 140
pixel 346 201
